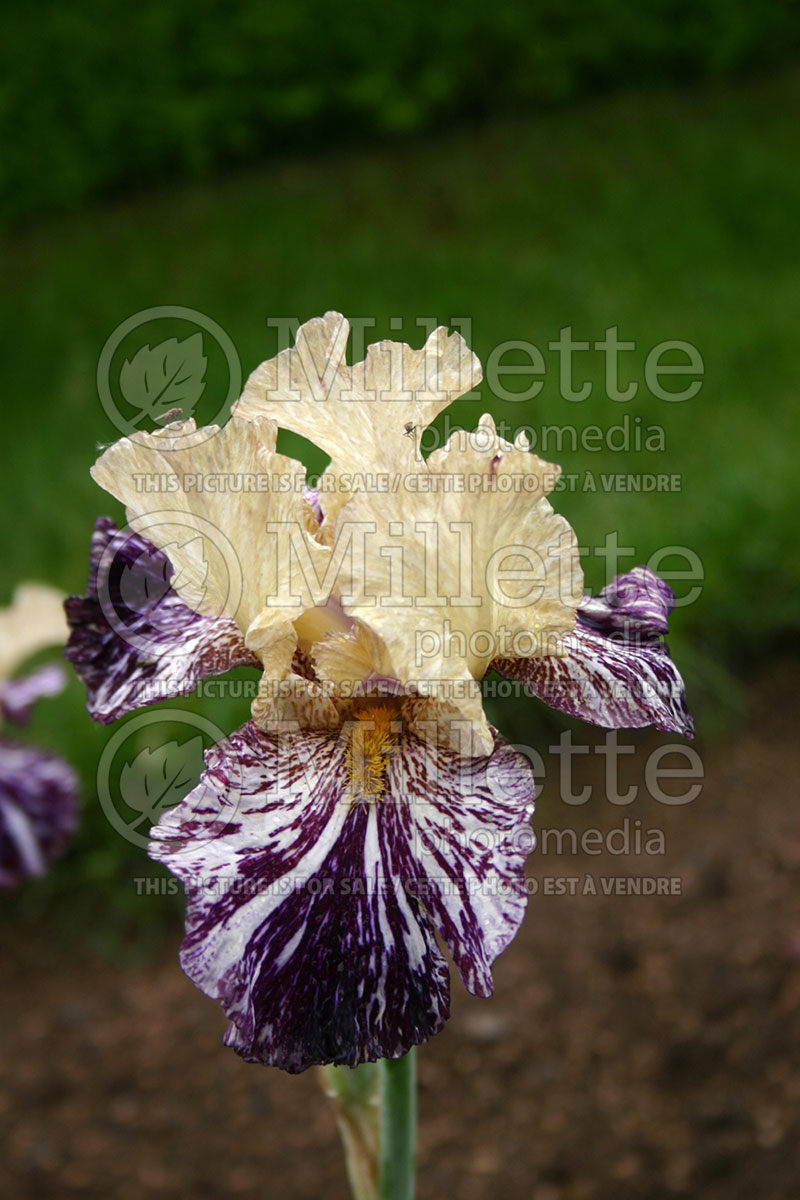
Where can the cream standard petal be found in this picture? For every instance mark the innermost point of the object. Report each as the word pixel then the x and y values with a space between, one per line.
pixel 467 556
pixel 368 417
pixel 34 619
pixel 230 515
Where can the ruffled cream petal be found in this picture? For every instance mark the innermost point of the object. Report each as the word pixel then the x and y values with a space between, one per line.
pixel 368 417
pixel 34 619
pixel 466 558
pixel 223 506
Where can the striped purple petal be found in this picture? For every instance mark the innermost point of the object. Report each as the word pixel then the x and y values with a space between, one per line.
pixel 38 811
pixel 312 917
pixel 617 672
pixel 18 696
pixel 133 642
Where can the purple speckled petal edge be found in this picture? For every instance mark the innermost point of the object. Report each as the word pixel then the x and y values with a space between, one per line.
pixel 38 811
pixel 617 672
pixel 311 494
pixel 141 644
pixel 638 602
pixel 19 696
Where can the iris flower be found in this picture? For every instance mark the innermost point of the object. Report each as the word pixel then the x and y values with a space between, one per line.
pixel 38 791
pixel 368 814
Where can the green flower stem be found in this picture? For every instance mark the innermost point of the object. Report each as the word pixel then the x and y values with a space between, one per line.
pixel 356 1095
pixel 398 1142
pixel 376 1111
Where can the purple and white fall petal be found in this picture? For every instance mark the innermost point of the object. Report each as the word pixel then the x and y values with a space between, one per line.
pixel 19 696
pixel 133 642
pixel 617 671
pixel 38 811
pixel 312 916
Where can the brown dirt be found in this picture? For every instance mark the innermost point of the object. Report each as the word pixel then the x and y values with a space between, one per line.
pixel 636 1046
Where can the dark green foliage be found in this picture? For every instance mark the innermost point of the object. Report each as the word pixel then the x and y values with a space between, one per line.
pixel 96 99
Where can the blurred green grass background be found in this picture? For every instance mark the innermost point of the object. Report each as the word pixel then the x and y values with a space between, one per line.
pixel 190 88
pixel 671 213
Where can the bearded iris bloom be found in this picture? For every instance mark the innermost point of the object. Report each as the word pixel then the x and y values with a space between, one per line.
pixel 38 791
pixel 368 810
